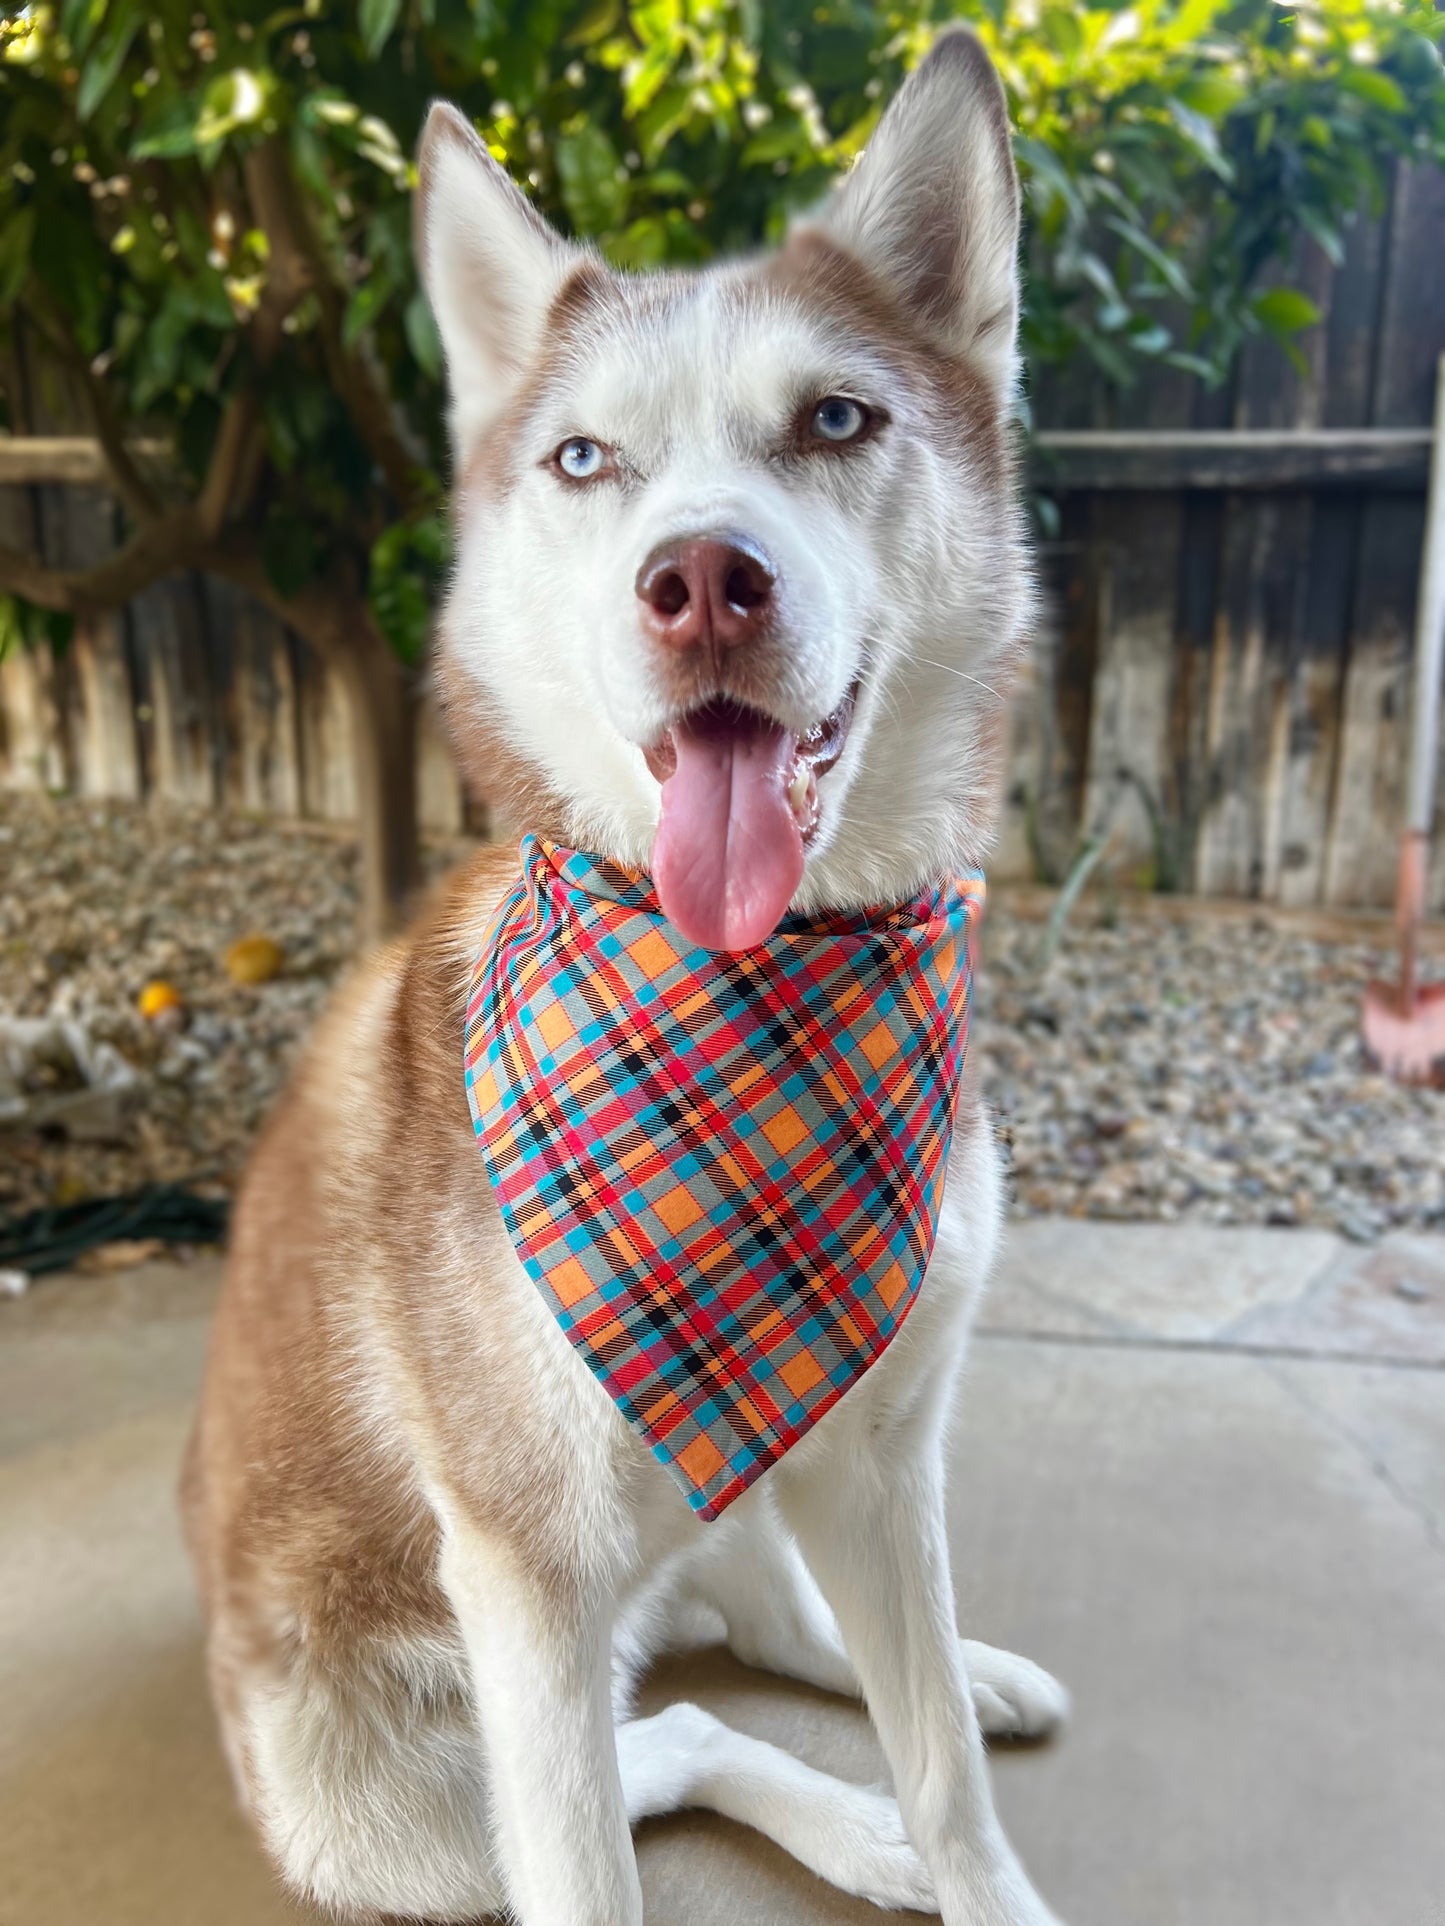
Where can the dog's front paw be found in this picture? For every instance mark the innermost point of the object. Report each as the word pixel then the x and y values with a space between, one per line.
pixel 876 1859
pixel 1014 1698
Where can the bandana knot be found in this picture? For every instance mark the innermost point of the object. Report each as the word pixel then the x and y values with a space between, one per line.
pixel 722 1172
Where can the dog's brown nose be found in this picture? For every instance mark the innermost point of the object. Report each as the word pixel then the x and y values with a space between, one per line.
pixel 705 593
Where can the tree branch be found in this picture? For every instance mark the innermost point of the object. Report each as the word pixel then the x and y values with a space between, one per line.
pixel 289 273
pixel 234 469
pixel 132 487
pixel 297 252
pixel 163 547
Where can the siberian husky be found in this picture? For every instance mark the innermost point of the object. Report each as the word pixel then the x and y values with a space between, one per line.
pixel 433 1557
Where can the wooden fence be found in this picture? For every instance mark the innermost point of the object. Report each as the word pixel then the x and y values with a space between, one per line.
pixel 1221 689
pixel 192 694
pixel 1224 685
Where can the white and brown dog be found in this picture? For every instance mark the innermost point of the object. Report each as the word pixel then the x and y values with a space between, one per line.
pixel 696 515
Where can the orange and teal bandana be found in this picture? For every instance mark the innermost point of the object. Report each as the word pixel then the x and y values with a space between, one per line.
pixel 722 1172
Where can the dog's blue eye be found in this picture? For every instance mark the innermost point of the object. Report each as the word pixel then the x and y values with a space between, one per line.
pixel 580 458
pixel 839 419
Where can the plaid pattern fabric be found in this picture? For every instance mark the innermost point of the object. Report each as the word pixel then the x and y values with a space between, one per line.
pixel 723 1172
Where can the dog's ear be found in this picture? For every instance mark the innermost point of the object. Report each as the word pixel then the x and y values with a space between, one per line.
pixel 932 205
pixel 490 264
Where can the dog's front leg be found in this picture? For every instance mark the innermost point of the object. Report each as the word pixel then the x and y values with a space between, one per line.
pixel 874 1538
pixel 539 1643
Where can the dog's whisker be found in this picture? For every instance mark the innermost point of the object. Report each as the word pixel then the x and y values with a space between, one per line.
pixel 962 674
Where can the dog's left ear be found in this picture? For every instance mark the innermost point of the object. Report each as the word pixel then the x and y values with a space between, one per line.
pixel 932 205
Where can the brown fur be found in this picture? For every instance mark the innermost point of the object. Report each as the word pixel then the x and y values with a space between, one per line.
pixel 306 1525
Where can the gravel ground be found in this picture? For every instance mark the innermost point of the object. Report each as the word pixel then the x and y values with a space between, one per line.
pixel 101 899
pixel 1205 1066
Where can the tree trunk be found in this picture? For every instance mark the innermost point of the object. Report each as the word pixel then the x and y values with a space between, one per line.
pixel 333 616
pixel 383 719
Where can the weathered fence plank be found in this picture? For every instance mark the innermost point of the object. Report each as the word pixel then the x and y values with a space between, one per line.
pixel 168 625
pixel 1138 558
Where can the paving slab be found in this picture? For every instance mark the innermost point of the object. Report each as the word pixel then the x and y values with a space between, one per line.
pixel 1237 1287
pixel 1384 1301
pixel 1178 1283
pixel 1234 1558
pixel 1242 1587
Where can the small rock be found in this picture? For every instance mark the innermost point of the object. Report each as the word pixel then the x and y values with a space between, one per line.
pixel 1359 1227
pixel 210 1033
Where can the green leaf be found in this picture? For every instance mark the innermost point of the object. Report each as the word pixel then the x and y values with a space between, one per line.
pixel 364 306
pixel 786 139
pixel 643 244
pixel 1063 32
pixel 597 21
pixel 24 626
pixel 1368 83
pixel 1148 337
pixel 99 73
pixel 1202 137
pixel 1211 94
pixel 1324 232
pixel 378 20
pixel 408 569
pixel 422 337
pixel 594 187
pixel 1285 311
pixel 1168 269
pixel 78 22
pixel 170 132
pixel 12 638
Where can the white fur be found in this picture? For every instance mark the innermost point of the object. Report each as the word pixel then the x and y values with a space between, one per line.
pixel 508 1769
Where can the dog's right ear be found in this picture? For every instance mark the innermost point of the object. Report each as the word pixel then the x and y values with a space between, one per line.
pixel 490 264
pixel 933 206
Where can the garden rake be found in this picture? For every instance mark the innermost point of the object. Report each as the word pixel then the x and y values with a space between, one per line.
pixel 1404 1022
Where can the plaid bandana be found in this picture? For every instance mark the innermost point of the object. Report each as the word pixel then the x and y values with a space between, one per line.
pixel 722 1172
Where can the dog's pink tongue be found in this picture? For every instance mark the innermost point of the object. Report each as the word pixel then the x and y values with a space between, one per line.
pixel 728 857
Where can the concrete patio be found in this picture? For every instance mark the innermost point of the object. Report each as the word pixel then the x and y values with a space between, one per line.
pixel 1201 1475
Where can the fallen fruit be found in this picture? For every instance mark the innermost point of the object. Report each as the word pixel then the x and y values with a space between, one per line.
pixel 159 997
pixel 254 959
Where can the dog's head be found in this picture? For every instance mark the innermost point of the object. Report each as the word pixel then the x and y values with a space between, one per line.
pixel 740 571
